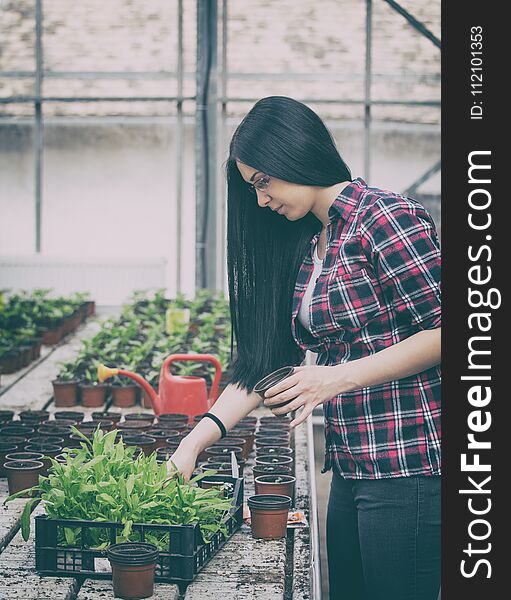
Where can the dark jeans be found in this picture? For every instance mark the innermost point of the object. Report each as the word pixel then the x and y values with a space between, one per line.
pixel 383 538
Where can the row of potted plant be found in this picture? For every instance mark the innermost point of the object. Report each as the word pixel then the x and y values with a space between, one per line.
pixel 31 318
pixel 140 339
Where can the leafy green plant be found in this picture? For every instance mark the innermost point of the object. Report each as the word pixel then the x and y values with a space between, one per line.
pixel 101 481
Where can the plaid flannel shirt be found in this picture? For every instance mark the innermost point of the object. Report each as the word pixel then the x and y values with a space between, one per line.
pixel 380 284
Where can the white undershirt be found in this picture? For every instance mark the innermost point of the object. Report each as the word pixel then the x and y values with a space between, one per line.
pixel 303 313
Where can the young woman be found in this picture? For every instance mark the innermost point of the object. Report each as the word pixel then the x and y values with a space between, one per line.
pixel 320 261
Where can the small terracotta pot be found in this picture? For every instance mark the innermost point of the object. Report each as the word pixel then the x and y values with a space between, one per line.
pixel 124 396
pixel 133 565
pixel 22 474
pixel 268 515
pixel 272 459
pixel 146 443
pixel 282 485
pixel 65 393
pixel 272 379
pixel 93 396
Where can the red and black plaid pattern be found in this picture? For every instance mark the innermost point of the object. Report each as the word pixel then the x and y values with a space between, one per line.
pixel 379 285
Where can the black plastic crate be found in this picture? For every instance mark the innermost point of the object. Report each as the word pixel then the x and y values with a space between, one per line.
pixel 185 556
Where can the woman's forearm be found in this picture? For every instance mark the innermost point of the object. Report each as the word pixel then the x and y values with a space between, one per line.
pixel 232 405
pixel 417 353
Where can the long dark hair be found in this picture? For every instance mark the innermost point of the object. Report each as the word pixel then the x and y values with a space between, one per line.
pixel 287 140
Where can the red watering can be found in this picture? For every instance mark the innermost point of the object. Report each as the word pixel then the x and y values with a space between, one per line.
pixel 184 394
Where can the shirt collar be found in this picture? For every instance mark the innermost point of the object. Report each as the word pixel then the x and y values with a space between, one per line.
pixel 346 200
pixel 344 203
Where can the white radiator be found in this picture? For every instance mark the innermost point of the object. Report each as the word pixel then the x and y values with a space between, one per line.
pixel 110 281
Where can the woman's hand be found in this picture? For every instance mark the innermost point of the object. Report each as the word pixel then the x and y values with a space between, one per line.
pixel 184 458
pixel 307 387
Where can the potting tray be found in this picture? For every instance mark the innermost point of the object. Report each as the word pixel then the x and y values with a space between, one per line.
pixel 180 562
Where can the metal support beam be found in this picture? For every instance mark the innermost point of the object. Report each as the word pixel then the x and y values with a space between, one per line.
pixel 179 145
pixel 38 125
pixel 367 90
pixel 420 27
pixel 412 189
pixel 206 164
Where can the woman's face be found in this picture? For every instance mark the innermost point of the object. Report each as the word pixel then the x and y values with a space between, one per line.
pixel 291 200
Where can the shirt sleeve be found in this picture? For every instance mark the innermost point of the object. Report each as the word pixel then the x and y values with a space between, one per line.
pixel 400 241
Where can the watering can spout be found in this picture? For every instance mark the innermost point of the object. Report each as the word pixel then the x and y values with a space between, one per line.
pixel 105 372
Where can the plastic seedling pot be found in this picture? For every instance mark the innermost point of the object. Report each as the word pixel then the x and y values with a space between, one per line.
pixel 133 565
pixel 271 470
pixel 272 459
pixel 22 474
pixel 268 515
pixel 272 379
pixel 283 485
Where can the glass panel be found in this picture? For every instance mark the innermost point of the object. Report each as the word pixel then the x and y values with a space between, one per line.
pixel 322 41
pixel 110 190
pixel 17 196
pixel 405 63
pixel 17 35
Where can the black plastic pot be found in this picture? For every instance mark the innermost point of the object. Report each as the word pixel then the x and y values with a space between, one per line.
pixel 110 415
pixel 69 415
pixel 17 430
pixel 34 416
pixel 5 449
pixel 265 459
pixel 133 565
pixel 139 416
pixel 6 416
pixel 146 443
pixel 271 470
pixel 272 379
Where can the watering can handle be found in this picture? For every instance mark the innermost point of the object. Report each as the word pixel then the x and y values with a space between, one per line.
pixel 198 358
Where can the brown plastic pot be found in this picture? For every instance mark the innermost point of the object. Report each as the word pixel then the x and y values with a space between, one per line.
pixel 22 474
pixel 124 396
pixel 241 462
pixel 133 565
pixel 283 485
pixel 93 396
pixel 270 441
pixel 65 393
pixel 268 515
